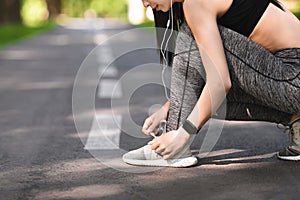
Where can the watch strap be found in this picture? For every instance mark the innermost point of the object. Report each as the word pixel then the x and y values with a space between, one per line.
pixel 190 128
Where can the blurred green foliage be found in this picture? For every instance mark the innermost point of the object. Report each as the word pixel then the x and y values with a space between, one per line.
pixel 103 8
pixel 35 16
pixel 16 32
pixel 110 8
pixel 34 12
pixel 76 8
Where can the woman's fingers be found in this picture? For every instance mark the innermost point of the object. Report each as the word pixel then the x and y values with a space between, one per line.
pixel 155 144
pixel 146 125
pixel 150 126
pixel 160 150
pixel 168 154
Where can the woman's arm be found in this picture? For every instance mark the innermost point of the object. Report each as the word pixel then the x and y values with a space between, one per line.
pixel 201 16
pixel 152 122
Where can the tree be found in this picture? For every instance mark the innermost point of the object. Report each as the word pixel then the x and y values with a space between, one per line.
pixel 54 7
pixel 10 11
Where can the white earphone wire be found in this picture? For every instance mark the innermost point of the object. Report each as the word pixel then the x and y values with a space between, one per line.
pixel 163 50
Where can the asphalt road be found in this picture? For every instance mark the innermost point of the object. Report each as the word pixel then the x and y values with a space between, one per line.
pixel 52 81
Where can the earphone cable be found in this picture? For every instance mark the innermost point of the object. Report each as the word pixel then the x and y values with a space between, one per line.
pixel 164 50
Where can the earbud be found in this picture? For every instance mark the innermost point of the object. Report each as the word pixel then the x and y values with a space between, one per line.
pixel 168 23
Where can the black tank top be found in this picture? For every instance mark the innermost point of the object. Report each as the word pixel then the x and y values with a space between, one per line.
pixel 243 15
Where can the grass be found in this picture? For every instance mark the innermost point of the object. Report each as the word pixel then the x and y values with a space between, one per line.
pixel 17 32
pixel 145 24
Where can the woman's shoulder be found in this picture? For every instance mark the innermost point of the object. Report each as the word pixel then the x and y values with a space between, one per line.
pixel 219 7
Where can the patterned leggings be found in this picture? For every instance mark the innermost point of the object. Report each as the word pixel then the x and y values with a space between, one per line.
pixel 265 86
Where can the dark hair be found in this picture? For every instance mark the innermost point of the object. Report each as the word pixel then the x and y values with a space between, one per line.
pixel 277 3
pixel 161 19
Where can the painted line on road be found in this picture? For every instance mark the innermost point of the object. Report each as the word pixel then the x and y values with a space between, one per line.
pixel 105 57
pixel 104 54
pixel 109 88
pixel 105 133
pixel 110 71
pixel 106 128
pixel 100 38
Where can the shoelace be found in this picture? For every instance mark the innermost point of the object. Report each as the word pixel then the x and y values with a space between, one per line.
pixel 161 129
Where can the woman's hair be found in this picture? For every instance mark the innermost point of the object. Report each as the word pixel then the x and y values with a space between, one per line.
pixel 161 20
pixel 277 3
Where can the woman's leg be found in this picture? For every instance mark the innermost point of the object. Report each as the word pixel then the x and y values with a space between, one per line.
pixel 242 106
pixel 188 79
pixel 272 79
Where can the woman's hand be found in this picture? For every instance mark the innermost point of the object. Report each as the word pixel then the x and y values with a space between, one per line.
pixel 152 122
pixel 171 143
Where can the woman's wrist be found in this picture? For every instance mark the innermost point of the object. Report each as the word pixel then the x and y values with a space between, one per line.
pixel 190 128
pixel 186 136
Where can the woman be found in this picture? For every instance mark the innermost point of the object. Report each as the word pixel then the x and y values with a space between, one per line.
pixel 249 51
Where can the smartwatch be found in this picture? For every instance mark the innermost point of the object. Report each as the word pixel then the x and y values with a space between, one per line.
pixel 190 128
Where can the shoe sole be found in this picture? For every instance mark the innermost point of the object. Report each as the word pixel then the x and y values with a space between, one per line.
pixel 180 162
pixel 290 158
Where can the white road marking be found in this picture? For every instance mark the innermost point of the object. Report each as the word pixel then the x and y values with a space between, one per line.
pixel 106 128
pixel 86 24
pixel 110 71
pixel 105 57
pixel 105 133
pixel 104 50
pixel 100 38
pixel 109 88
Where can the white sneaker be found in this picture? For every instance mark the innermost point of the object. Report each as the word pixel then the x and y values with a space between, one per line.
pixel 145 156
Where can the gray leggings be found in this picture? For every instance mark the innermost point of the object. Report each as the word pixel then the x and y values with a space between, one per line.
pixel 265 86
